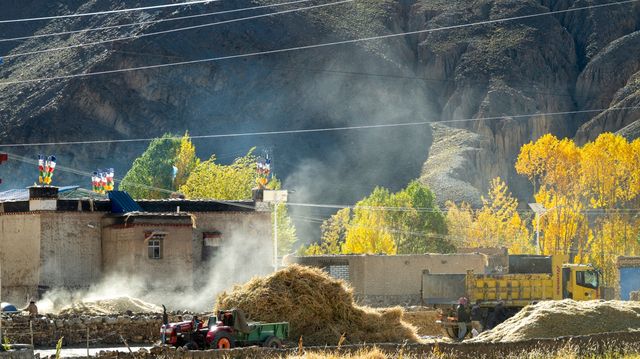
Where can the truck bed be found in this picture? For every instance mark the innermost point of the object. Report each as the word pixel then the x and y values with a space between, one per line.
pixel 514 289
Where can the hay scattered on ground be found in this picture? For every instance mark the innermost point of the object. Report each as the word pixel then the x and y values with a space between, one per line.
pixel 549 319
pixel 318 307
pixel 363 354
pixel 424 321
pixel 110 306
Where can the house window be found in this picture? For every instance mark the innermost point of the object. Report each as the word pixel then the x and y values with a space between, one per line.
pixel 154 245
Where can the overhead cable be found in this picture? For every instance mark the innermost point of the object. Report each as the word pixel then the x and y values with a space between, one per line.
pixel 107 12
pixel 325 129
pixel 36 36
pixel 10 56
pixel 134 184
pixel 321 45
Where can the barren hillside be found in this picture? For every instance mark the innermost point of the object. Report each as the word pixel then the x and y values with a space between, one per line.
pixel 573 61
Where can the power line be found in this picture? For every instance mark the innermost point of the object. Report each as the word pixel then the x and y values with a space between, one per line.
pixel 174 30
pixel 107 12
pixel 321 45
pixel 140 185
pixel 444 210
pixel 151 21
pixel 325 129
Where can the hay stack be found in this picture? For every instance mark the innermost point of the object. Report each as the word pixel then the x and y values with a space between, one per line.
pixel 424 321
pixel 110 306
pixel 317 307
pixel 551 319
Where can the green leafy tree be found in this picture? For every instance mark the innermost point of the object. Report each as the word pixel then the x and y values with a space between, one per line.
pixel 151 174
pixel 286 230
pixel 421 225
pixel 405 222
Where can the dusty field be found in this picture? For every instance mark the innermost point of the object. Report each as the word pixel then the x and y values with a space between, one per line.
pixel 110 306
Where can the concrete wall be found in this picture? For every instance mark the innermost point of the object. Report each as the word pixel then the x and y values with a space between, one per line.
pixel 19 256
pixel 125 251
pixel 395 280
pixel 246 242
pixel 70 248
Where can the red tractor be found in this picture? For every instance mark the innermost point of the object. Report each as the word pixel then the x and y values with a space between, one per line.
pixel 227 330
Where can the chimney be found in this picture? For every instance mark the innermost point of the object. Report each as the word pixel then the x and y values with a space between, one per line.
pixel 43 198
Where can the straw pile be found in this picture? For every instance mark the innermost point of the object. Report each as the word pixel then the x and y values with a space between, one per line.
pixel 110 306
pixel 549 319
pixel 318 308
pixel 424 321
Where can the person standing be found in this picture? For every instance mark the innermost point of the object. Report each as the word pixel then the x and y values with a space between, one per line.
pixel 476 319
pixel 31 308
pixel 463 317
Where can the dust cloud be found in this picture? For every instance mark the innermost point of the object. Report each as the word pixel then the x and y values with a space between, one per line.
pixel 238 259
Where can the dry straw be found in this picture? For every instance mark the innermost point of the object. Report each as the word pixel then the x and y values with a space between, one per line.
pixel 549 319
pixel 318 307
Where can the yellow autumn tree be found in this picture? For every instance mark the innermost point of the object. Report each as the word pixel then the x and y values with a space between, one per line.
pixel 496 224
pixel 590 194
pixel 223 182
pixel 333 234
pixel 367 233
pixel 185 162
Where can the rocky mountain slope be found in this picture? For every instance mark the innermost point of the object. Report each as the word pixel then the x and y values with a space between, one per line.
pixel 578 60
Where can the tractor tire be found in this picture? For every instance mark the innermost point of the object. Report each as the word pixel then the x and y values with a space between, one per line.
pixel 452 332
pixel 223 340
pixel 191 346
pixel 272 342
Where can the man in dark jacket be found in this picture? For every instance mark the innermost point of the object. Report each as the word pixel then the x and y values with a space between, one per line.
pixel 476 319
pixel 463 317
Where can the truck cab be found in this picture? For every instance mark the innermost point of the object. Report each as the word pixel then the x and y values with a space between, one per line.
pixel 580 282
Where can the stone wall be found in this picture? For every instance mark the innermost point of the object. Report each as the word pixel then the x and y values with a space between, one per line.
pixel 583 346
pixel 47 330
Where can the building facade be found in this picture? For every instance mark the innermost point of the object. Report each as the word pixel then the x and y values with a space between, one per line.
pixel 381 280
pixel 51 241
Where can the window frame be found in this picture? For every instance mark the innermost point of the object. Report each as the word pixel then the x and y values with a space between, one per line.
pixel 155 245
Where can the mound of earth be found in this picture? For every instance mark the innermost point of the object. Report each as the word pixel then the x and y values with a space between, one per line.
pixel 549 319
pixel 319 308
pixel 110 306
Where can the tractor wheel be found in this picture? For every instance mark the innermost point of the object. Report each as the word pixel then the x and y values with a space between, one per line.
pixel 452 332
pixel 191 346
pixel 223 340
pixel 272 342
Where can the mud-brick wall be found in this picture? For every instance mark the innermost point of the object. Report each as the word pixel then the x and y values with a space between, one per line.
pixel 47 330
pixel 381 281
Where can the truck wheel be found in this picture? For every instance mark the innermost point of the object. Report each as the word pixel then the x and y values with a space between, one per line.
pixel 223 340
pixel 272 342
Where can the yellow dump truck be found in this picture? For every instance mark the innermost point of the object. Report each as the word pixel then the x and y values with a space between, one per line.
pixel 529 279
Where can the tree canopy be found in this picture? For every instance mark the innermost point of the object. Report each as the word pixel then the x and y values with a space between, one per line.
pixel 496 224
pixel 404 222
pixel 151 175
pixel 590 194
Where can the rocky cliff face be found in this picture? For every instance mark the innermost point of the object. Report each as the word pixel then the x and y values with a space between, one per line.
pixel 573 61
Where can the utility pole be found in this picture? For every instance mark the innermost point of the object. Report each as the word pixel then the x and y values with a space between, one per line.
pixel 275 235
pixel 3 158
